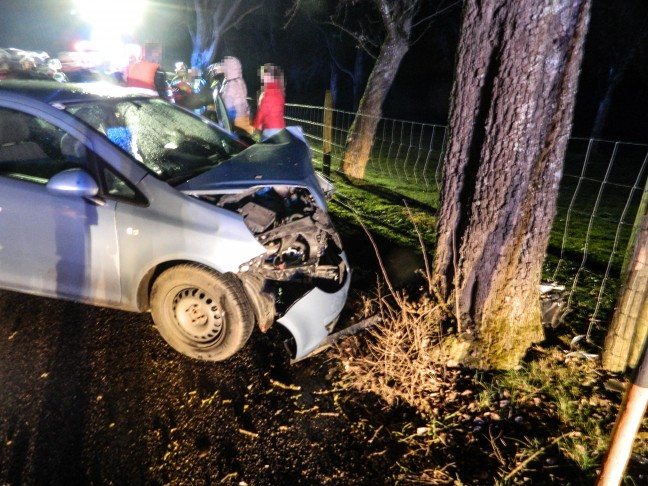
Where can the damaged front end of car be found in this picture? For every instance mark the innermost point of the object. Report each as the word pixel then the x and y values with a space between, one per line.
pixel 302 278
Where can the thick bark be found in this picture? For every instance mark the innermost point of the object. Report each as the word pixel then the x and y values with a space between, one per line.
pixel 361 134
pixel 397 18
pixel 512 107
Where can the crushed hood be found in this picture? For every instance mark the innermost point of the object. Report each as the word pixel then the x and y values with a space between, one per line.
pixel 282 160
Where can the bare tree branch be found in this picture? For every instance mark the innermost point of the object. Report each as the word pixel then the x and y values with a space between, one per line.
pixel 291 12
pixel 212 19
pixel 361 39
pixel 438 12
pixel 240 18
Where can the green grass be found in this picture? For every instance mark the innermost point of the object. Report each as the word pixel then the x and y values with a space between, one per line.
pixel 548 420
pixel 578 240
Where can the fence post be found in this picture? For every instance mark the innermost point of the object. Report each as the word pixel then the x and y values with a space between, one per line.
pixel 641 212
pixel 627 333
pixel 326 132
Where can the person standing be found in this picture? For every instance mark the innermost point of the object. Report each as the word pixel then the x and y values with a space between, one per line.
pixel 270 114
pixel 146 74
pixel 234 93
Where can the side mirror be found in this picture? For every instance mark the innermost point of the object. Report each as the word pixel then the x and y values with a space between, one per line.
pixel 73 182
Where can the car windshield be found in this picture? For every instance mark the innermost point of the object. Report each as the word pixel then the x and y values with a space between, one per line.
pixel 167 140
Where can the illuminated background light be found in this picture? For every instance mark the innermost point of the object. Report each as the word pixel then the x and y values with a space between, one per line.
pixel 110 21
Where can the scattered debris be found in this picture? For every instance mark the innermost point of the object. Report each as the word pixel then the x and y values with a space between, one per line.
pixel 278 384
pixel 352 330
pixel 248 433
pixel 553 303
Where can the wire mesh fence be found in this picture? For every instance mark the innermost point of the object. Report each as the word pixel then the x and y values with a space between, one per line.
pixel 403 150
pixel 600 199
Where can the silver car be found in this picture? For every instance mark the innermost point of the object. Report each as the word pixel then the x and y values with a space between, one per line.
pixel 117 198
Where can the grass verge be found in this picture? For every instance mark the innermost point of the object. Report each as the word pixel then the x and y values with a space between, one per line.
pixel 547 422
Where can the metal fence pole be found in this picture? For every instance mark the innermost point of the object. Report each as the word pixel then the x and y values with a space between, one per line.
pixel 327 133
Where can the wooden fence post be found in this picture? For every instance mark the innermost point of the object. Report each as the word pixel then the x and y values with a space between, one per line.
pixel 641 212
pixel 327 133
pixel 627 333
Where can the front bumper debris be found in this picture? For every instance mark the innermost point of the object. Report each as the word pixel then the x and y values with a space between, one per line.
pixel 309 318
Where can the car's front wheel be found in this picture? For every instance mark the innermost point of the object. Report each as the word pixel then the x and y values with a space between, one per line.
pixel 201 313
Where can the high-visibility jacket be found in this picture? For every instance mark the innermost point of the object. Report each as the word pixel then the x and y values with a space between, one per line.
pixel 141 74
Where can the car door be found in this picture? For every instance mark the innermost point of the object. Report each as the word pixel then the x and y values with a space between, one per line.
pixel 54 245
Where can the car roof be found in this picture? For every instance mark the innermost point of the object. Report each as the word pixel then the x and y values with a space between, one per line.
pixel 53 92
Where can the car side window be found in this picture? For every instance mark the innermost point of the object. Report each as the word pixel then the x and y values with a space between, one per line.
pixel 34 150
pixel 119 188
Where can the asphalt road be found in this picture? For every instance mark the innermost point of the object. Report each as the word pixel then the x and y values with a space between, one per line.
pixel 95 396
pixel 83 389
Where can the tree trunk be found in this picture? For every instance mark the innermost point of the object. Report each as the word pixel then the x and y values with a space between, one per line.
pixel 203 36
pixel 363 129
pixel 333 83
pixel 358 76
pixel 615 76
pixel 604 105
pixel 511 114
pixel 212 18
pixel 627 334
pixel 201 58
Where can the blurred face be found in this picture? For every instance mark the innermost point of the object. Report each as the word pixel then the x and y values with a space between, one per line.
pixel 180 68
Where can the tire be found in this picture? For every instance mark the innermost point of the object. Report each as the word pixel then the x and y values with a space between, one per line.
pixel 201 313
pixel 261 301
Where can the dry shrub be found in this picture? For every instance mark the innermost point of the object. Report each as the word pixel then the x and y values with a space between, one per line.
pixel 393 359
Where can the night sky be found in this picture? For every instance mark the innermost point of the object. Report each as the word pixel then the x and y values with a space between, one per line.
pixel 38 25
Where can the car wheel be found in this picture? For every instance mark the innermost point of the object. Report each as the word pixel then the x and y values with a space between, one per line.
pixel 201 313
